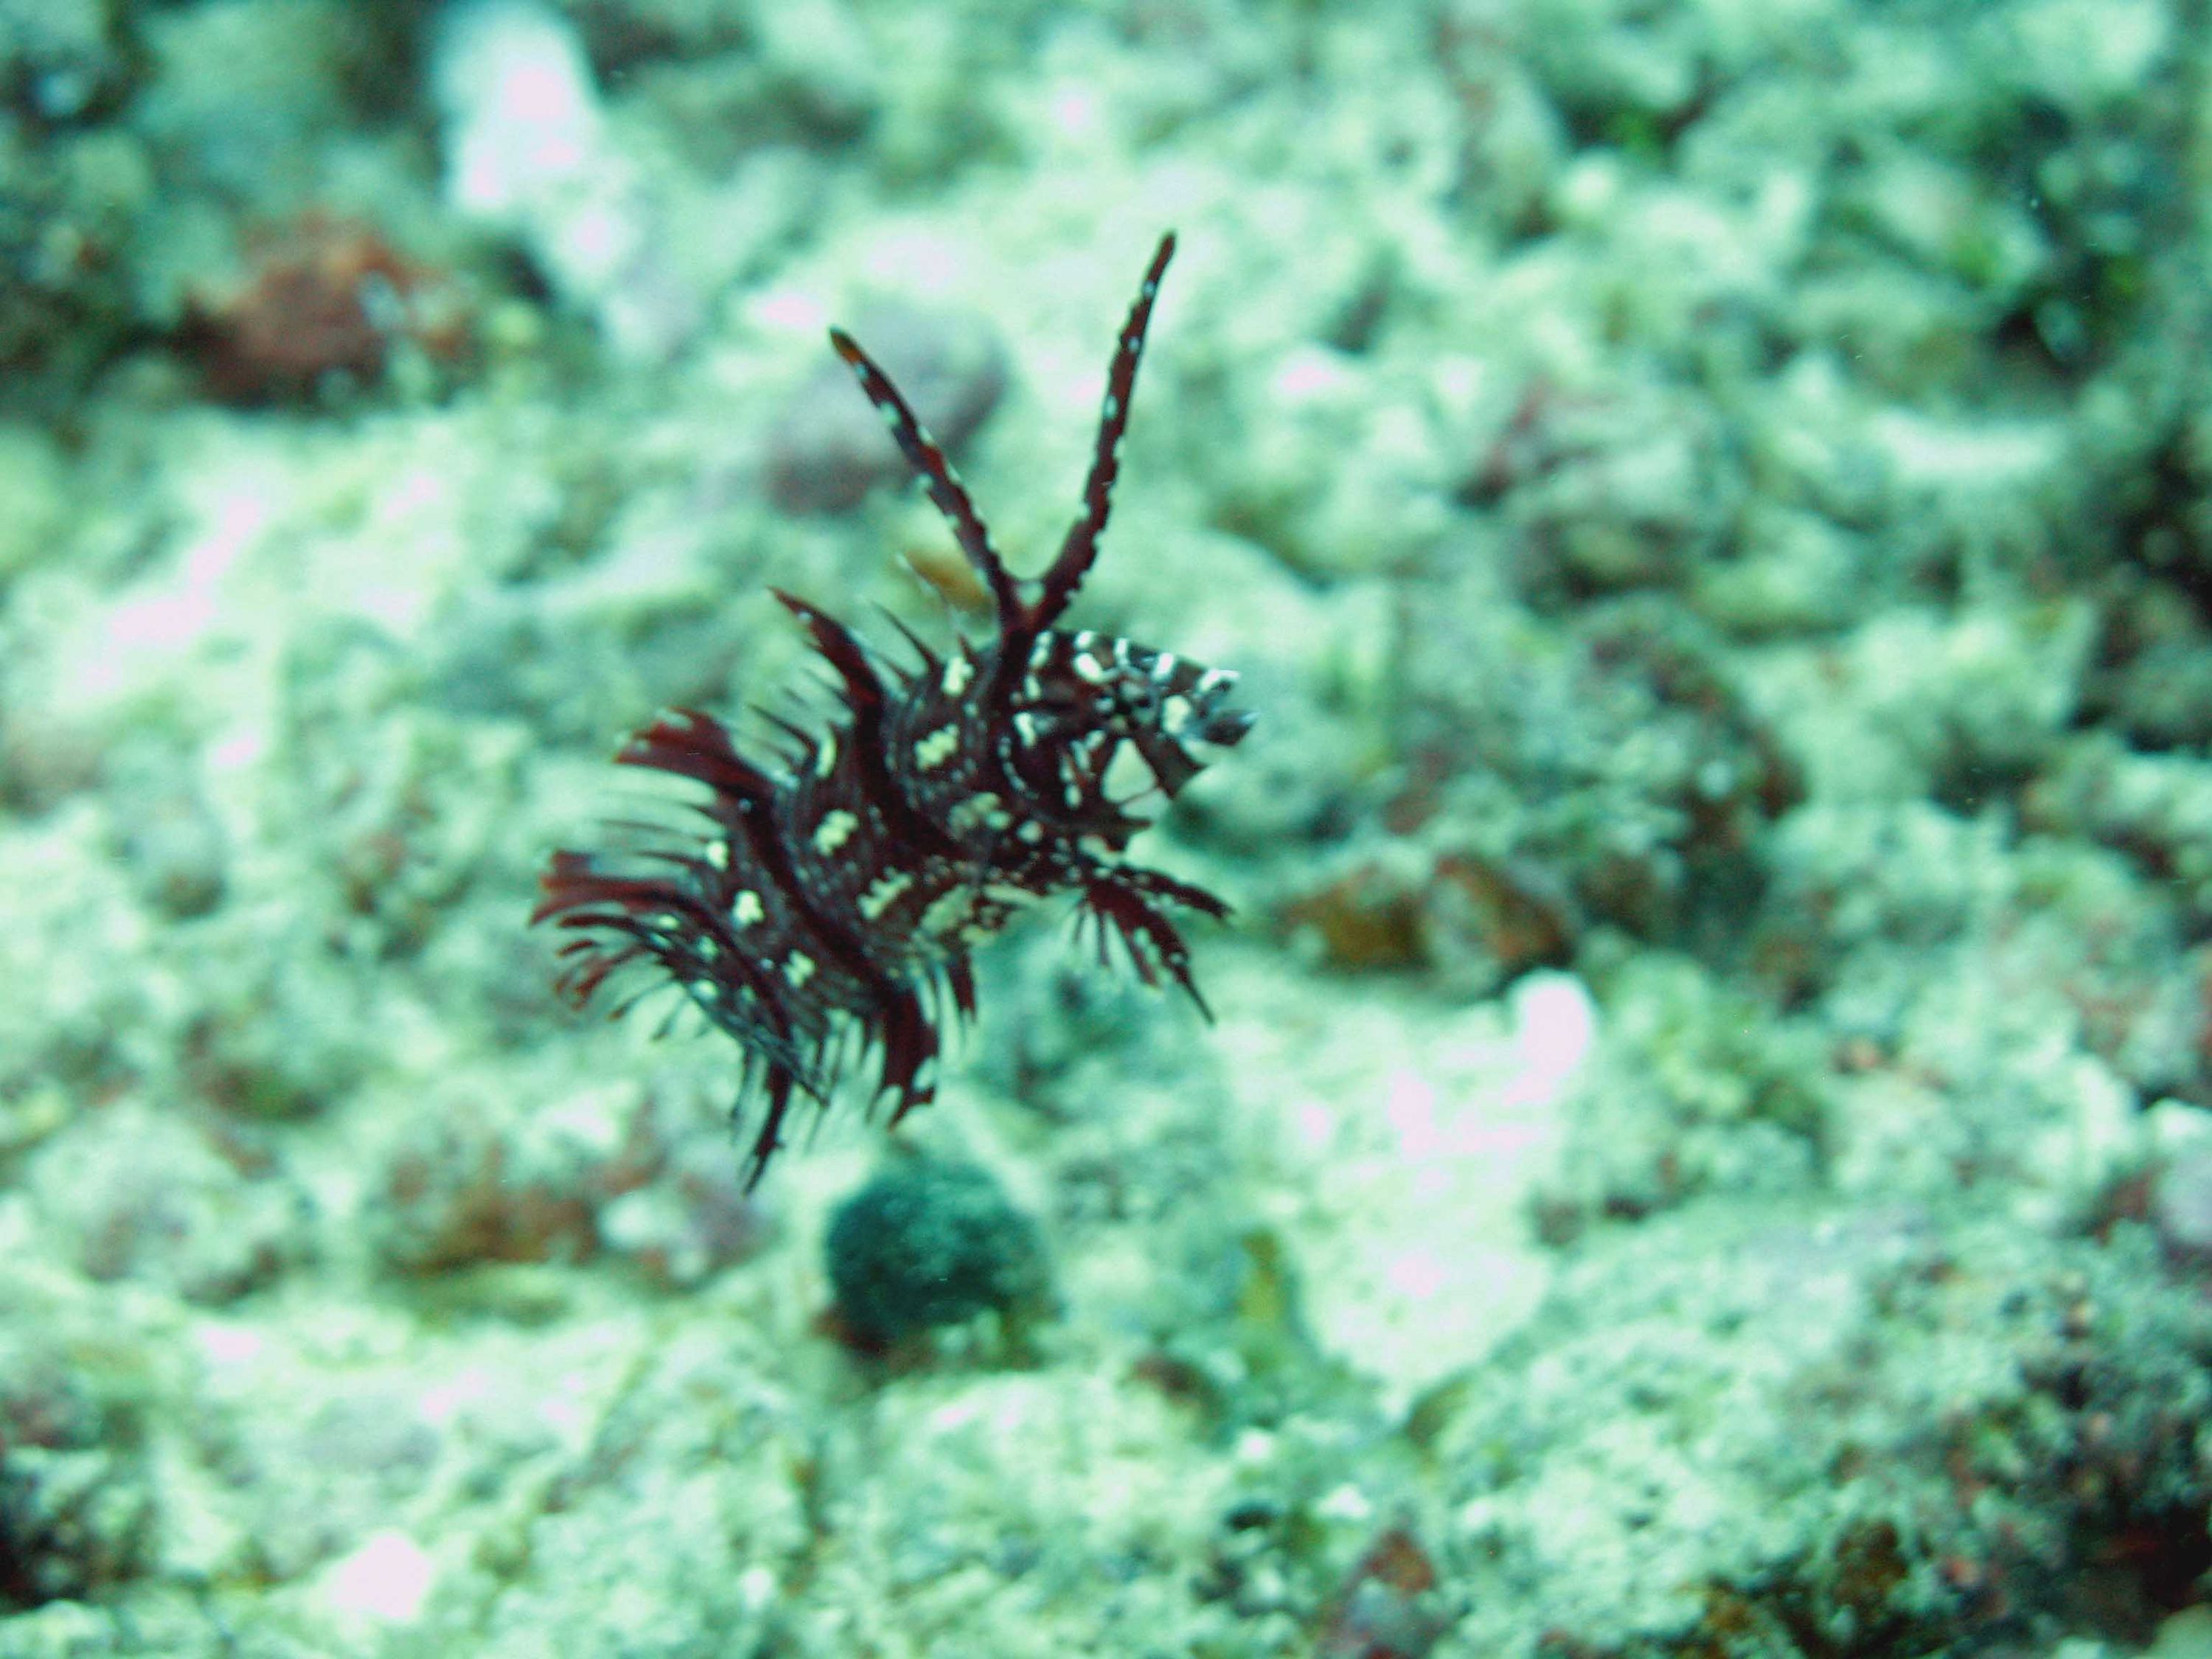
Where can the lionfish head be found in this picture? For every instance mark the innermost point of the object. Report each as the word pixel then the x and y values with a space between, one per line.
pixel 1099 722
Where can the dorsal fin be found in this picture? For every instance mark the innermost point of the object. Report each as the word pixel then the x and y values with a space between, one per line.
pixel 1021 620
pixel 1080 549
pixel 946 489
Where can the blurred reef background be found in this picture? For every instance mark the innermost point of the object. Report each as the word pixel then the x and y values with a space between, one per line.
pixel 1704 1152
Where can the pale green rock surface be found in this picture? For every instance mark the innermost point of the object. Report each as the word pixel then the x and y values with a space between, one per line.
pixel 1702 1147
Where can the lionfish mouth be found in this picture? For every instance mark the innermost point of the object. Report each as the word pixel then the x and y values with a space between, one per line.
pixel 1224 729
pixel 1206 716
pixel 1203 719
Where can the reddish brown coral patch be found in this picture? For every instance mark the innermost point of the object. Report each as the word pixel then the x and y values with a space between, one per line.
pixel 1442 913
pixel 1384 1612
pixel 327 300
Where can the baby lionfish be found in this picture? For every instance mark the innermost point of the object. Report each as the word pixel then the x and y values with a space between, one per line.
pixel 827 899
